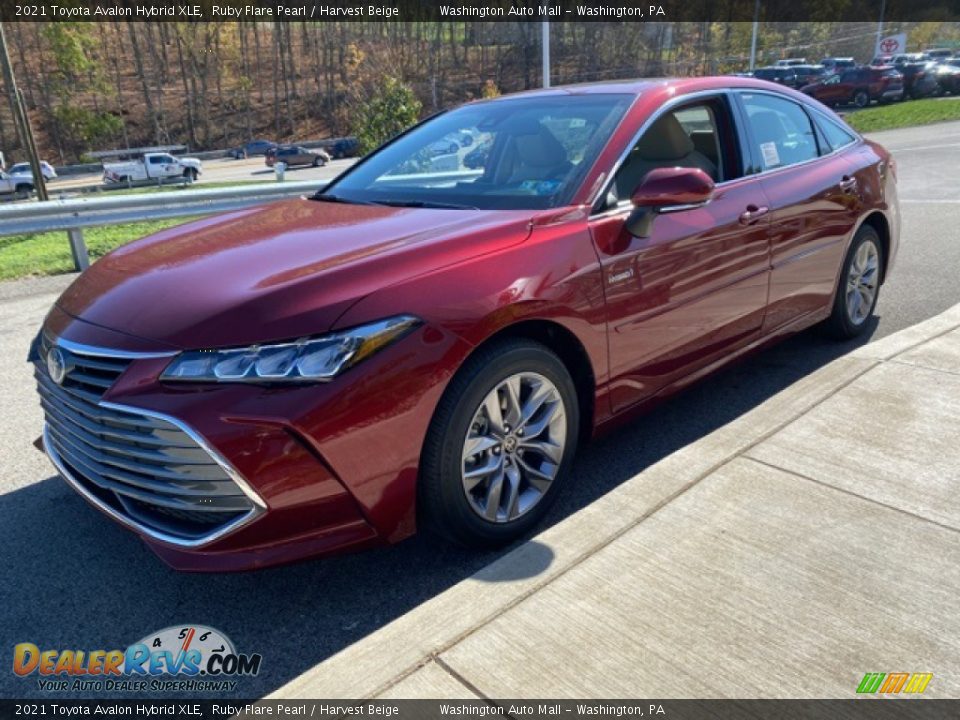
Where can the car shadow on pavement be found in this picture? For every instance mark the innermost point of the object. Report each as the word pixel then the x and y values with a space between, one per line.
pixel 74 580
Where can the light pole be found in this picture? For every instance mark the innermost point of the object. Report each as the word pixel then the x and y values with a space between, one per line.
pixel 883 7
pixel 24 131
pixel 753 40
pixel 545 45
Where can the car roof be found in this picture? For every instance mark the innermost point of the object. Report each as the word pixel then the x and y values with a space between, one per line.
pixel 641 86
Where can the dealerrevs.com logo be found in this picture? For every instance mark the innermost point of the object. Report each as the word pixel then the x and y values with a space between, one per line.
pixel 178 658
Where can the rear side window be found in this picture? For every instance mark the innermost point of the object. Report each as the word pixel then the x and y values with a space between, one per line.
pixel 781 132
pixel 836 136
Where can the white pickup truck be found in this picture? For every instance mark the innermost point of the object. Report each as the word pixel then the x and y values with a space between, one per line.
pixel 152 166
pixel 17 184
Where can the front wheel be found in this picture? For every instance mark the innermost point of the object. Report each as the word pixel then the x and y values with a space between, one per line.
pixel 861 98
pixel 859 286
pixel 500 446
pixel 190 174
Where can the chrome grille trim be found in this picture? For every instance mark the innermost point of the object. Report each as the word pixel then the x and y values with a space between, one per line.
pixel 154 472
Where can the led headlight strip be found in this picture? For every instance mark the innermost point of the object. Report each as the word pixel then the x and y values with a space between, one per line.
pixel 307 360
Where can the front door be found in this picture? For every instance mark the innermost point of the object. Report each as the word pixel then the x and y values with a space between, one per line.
pixel 696 288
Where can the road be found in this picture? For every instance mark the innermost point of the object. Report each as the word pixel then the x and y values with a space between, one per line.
pixel 73 579
pixel 216 171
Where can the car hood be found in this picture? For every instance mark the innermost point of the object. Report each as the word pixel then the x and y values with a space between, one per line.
pixel 275 272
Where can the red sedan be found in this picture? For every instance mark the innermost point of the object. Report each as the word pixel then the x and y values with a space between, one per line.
pixel 426 345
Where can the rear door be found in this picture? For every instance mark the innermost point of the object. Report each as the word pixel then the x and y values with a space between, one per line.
pixel 696 288
pixel 814 205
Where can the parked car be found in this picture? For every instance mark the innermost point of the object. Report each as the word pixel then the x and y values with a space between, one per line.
pixel 939 54
pixel 331 372
pixel 296 155
pixel 152 166
pixel 919 79
pixel 807 74
pixel 838 64
pixel 444 146
pixel 781 75
pixel 882 61
pixel 859 86
pixel 19 185
pixel 948 77
pixel 790 62
pixel 909 58
pixel 344 147
pixel 252 149
pixel 23 168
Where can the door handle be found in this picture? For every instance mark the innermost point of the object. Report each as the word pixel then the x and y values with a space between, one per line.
pixel 848 184
pixel 752 214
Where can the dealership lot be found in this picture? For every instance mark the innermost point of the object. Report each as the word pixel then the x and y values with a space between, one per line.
pixel 76 580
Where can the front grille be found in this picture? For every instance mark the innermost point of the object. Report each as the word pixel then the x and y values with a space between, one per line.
pixel 151 472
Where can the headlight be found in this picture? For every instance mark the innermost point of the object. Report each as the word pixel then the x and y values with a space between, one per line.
pixel 307 360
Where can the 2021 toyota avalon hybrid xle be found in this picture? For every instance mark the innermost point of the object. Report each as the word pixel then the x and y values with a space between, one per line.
pixel 422 345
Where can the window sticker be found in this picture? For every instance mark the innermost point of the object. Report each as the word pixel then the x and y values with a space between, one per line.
pixel 771 158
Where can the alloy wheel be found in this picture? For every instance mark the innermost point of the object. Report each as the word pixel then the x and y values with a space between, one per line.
pixel 862 281
pixel 513 447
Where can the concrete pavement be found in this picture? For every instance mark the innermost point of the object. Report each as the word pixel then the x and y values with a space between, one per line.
pixel 811 540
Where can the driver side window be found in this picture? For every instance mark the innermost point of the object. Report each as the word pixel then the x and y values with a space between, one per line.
pixel 694 136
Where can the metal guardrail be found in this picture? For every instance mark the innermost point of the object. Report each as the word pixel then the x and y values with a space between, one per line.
pixel 75 214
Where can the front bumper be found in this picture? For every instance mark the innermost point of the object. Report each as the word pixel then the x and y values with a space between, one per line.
pixel 326 467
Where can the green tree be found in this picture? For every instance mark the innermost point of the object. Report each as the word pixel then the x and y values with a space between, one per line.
pixel 389 109
pixel 85 128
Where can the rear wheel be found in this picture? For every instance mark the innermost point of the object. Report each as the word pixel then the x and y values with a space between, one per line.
pixel 500 445
pixel 23 190
pixel 859 286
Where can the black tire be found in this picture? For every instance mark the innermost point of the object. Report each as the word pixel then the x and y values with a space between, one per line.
pixel 443 505
pixel 861 98
pixel 317 161
pixel 839 325
pixel 190 174
pixel 23 190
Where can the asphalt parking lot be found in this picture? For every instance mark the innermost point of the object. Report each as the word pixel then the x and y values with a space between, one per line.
pixel 75 580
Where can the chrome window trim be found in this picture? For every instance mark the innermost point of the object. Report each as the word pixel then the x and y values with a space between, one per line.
pixel 259 506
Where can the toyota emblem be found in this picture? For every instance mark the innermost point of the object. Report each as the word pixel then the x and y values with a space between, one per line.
pixel 56 365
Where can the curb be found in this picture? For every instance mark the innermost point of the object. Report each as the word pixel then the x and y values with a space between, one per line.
pixel 373 665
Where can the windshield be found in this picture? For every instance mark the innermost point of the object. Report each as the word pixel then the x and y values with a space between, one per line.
pixel 523 153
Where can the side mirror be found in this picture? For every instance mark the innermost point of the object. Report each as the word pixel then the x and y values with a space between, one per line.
pixel 667 190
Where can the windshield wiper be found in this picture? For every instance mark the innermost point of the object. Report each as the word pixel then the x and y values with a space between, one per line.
pixel 424 204
pixel 329 197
